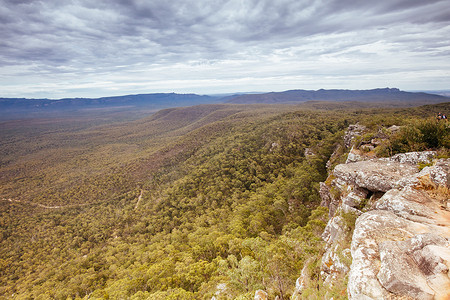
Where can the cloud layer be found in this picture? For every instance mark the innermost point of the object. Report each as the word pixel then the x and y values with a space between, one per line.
pixel 96 48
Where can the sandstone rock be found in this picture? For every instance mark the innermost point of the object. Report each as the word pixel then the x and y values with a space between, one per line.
pixel 352 200
pixel 398 275
pixel 349 210
pixel 332 264
pixel 336 234
pixel 302 281
pixel 261 295
pixel 360 192
pixel 334 230
pixel 414 157
pixel 352 132
pixel 375 175
pixel 410 267
pixel 400 248
pixel 440 173
pixel 371 228
pixel 394 129
pixel 328 200
pixel 408 203
pixel 354 156
pixel 365 152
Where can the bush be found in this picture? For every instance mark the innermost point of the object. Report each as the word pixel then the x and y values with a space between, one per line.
pixel 420 136
pixel 434 134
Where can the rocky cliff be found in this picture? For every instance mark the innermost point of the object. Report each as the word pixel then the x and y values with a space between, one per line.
pixel 388 234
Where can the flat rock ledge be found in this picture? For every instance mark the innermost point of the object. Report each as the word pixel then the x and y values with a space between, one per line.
pixel 400 246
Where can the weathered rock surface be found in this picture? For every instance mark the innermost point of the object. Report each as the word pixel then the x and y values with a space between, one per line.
pixel 352 132
pixel 354 155
pixel 413 157
pixel 400 246
pixel 374 175
pixel 440 174
pixel 417 266
pixel 355 198
pixel 334 229
pixel 333 263
pixel 328 200
pixel 391 247
pixel 302 281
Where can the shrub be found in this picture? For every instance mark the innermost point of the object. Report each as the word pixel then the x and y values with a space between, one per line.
pixel 434 134
pixel 420 136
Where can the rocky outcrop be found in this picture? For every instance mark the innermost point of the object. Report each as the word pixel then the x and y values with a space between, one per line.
pixel 440 174
pixel 302 281
pixel 352 132
pixel 374 175
pixel 413 157
pixel 328 200
pixel 400 245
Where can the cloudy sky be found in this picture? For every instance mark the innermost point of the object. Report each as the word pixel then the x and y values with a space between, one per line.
pixel 86 48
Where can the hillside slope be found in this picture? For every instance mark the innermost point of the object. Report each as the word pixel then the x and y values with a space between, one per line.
pixel 169 204
pixel 187 203
pixel 13 108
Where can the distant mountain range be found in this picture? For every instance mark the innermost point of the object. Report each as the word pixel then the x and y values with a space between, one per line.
pixel 159 100
pixel 387 96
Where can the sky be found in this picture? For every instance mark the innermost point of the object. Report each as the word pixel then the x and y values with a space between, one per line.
pixel 84 48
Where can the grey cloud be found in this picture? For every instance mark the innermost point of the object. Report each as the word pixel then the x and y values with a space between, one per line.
pixel 409 4
pixel 183 24
pixel 85 35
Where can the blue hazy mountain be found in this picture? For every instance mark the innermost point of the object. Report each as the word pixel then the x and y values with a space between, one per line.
pixel 18 107
pixel 142 100
pixel 385 95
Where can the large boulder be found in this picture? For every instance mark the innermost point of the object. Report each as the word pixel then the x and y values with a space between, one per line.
pixel 375 175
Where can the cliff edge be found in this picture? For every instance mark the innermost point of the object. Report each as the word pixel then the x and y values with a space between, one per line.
pixel 399 248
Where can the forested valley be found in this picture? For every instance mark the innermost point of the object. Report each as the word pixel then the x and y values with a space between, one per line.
pixel 187 203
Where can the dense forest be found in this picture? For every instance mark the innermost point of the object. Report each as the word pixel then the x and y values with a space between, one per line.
pixel 187 203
